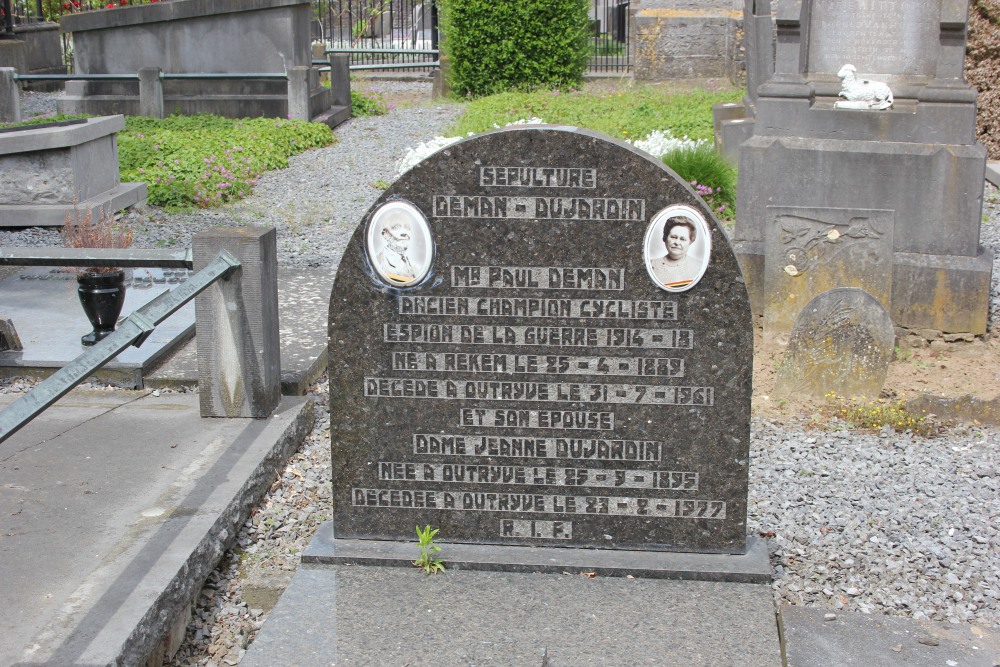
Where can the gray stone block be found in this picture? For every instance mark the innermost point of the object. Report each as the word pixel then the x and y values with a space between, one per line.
pixel 10 97
pixel 684 41
pixel 43 54
pixel 150 92
pixel 239 372
pixel 45 172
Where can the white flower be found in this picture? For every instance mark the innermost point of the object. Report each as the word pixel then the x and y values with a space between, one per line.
pixel 523 121
pixel 660 142
pixel 415 156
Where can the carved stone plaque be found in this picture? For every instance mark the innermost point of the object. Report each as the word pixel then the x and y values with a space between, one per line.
pixel 879 37
pixel 842 344
pixel 507 365
pixel 809 251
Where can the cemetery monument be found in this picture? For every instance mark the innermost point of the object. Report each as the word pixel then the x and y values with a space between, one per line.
pixel 885 196
pixel 540 337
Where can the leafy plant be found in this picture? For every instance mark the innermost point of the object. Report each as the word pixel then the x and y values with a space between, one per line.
pixel 205 161
pixel 498 45
pixel 428 547
pixel 711 175
pixel 367 103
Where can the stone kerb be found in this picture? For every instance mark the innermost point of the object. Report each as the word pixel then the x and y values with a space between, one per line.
pixel 512 361
pixel 45 172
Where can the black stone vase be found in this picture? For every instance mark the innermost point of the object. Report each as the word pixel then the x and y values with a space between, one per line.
pixel 102 296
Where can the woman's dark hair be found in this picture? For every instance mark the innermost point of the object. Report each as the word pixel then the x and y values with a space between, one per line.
pixel 678 221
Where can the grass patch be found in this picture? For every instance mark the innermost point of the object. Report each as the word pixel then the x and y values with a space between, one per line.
pixel 205 161
pixel 628 114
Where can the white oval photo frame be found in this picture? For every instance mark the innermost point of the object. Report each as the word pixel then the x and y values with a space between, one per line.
pixel 654 249
pixel 395 268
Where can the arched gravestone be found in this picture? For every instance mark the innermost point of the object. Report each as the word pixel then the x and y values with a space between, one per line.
pixel 507 365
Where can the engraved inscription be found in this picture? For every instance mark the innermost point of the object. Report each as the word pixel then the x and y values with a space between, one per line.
pixel 538 277
pixel 579 420
pixel 548 364
pixel 481 334
pixel 671 480
pixel 539 208
pixel 596 449
pixel 538 177
pixel 557 392
pixel 876 36
pixel 539 529
pixel 540 503
pixel 444 306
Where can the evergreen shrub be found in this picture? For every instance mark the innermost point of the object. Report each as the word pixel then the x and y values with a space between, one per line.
pixel 499 45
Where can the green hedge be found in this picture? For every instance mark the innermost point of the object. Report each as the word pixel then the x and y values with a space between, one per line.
pixel 498 45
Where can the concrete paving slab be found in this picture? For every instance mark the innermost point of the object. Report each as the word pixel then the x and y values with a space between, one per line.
pixel 114 507
pixel 864 639
pixel 45 310
pixel 303 307
pixel 389 617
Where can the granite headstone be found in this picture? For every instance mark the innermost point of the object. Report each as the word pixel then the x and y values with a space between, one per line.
pixel 842 344
pixel 513 362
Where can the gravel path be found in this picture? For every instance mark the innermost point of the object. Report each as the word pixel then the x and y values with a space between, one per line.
pixel 884 523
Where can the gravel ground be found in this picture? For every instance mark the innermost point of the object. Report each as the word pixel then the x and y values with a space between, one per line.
pixel 883 523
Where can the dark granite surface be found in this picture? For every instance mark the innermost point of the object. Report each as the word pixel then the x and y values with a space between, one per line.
pixel 656 383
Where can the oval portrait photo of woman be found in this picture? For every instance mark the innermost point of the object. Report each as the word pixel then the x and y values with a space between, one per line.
pixel 677 248
pixel 399 243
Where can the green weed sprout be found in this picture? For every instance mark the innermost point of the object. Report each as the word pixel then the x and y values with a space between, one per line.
pixel 428 547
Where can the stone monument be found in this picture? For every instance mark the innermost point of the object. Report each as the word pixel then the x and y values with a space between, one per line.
pixel 886 200
pixel 540 337
pixel 198 46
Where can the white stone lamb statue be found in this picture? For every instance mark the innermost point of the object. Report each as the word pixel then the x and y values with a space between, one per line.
pixel 860 93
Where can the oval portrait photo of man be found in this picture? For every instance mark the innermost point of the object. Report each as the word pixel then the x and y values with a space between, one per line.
pixel 399 243
pixel 677 248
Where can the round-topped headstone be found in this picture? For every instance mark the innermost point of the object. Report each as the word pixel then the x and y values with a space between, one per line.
pixel 540 336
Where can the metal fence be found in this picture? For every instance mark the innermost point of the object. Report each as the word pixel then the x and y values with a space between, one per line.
pixel 381 32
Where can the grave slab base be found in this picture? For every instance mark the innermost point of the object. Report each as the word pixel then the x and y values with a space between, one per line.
pixel 751 567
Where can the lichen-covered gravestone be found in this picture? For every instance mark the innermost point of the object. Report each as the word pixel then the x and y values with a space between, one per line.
pixel 540 337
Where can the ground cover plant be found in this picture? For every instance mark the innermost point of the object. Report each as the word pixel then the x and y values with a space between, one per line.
pixel 205 161
pixel 367 103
